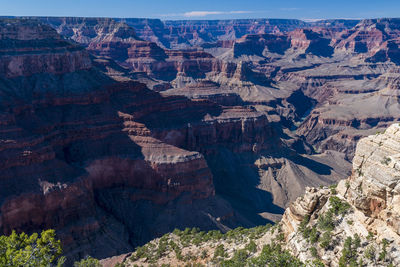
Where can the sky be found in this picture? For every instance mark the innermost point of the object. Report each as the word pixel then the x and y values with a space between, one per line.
pixel 204 9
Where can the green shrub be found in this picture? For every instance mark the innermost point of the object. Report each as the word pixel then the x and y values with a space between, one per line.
pixel 238 259
pixel 338 206
pixel 274 256
pixel 325 240
pixel 349 253
pixel 304 223
pixel 141 252
pixel 219 251
pixel 280 237
pixel 314 235
pixel 386 160
pixel 326 222
pixel 251 247
pixel 317 263
pixel 34 250
pixel 370 236
pixel 383 253
pixel 204 254
pixel 306 232
pixel 333 189
pixel 88 262
pixel 357 241
pixel 314 252
pixel 162 247
pixel 370 252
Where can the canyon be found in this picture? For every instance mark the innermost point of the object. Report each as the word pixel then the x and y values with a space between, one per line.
pixel 116 131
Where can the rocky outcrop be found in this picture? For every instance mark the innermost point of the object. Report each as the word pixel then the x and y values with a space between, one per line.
pixel 256 44
pixel 300 41
pixel 376 37
pixel 373 187
pixel 310 42
pixel 370 197
pixel 30 48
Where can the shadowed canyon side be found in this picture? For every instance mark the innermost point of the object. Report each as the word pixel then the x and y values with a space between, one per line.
pixel 354 223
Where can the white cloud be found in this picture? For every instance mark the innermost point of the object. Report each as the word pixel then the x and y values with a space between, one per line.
pixel 192 14
pixel 311 20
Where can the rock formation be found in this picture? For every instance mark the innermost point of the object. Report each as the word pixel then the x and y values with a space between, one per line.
pixel 371 195
pixel 188 33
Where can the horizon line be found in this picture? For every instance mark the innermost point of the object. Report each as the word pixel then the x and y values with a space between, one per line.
pixel 195 19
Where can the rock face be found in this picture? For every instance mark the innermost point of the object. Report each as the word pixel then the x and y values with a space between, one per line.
pixel 24 54
pixel 371 191
pixel 374 185
pixel 254 44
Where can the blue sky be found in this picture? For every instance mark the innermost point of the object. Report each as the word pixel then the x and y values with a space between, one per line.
pixel 204 9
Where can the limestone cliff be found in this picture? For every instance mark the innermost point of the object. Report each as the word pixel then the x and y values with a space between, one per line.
pixel 371 199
